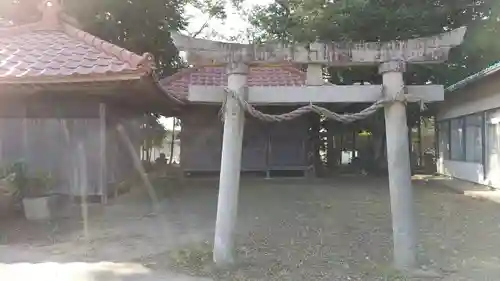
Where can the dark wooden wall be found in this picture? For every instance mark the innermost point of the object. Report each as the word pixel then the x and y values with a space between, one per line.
pixel 266 146
pixel 46 135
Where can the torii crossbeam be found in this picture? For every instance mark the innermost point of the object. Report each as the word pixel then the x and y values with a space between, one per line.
pixel 391 57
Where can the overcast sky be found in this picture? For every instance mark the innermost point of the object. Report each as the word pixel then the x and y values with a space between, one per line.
pixel 236 24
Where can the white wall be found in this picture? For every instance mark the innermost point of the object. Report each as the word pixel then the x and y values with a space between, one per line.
pixel 472 172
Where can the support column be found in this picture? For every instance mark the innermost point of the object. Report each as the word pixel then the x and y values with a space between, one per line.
pixel 2 138
pixel 103 171
pixel 268 153
pixel 227 207
pixel 25 138
pixel 84 184
pixel 420 146
pixel 398 160
pixel 354 143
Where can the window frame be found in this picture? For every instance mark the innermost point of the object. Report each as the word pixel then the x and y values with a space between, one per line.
pixel 482 128
pixel 440 125
pixel 462 157
pixel 450 157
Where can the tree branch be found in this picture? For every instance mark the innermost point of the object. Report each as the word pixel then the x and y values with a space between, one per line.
pixel 194 35
pixel 210 17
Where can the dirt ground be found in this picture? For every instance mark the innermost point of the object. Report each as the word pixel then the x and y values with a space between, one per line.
pixel 336 229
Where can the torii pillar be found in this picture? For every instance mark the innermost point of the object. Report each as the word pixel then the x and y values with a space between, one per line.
pixel 229 183
pixel 398 161
pixel 392 58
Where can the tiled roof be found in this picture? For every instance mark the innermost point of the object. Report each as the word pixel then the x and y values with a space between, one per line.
pixel 53 50
pixel 270 76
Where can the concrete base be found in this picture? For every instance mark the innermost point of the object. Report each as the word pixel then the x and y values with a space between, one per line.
pixel 470 189
pixel 37 208
pixel 52 206
pixel 460 186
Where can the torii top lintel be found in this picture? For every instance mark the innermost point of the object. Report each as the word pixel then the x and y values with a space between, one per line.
pixel 434 49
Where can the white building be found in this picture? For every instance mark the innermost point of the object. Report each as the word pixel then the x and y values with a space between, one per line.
pixel 469 129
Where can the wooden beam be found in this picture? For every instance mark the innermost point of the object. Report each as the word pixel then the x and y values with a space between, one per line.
pixel 314 94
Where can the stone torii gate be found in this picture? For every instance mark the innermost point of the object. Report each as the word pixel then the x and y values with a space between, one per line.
pixel 392 58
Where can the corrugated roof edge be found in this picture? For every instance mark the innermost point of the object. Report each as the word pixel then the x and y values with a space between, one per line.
pixel 474 77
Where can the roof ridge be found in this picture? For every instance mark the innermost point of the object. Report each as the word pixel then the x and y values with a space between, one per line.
pixel 55 20
pixel 144 62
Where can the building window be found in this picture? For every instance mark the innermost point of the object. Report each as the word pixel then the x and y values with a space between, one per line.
pixel 444 140
pixel 457 139
pixel 474 138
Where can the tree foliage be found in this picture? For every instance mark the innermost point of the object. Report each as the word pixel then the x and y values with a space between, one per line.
pixel 383 20
pixel 303 21
pixel 138 25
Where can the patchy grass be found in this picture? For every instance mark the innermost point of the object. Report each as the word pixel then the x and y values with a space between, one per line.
pixel 196 257
pixel 390 274
pixel 19 230
pixel 340 231
pixel 299 234
pixel 196 260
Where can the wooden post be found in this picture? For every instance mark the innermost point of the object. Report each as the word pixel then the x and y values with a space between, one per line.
pixel 172 143
pixel 227 207
pixel 2 136
pixel 398 160
pixel 83 182
pixel 338 149
pixel 420 146
pixel 268 153
pixel 354 143
pixel 103 171
pixel 25 140
pixel 70 167
pixel 341 147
